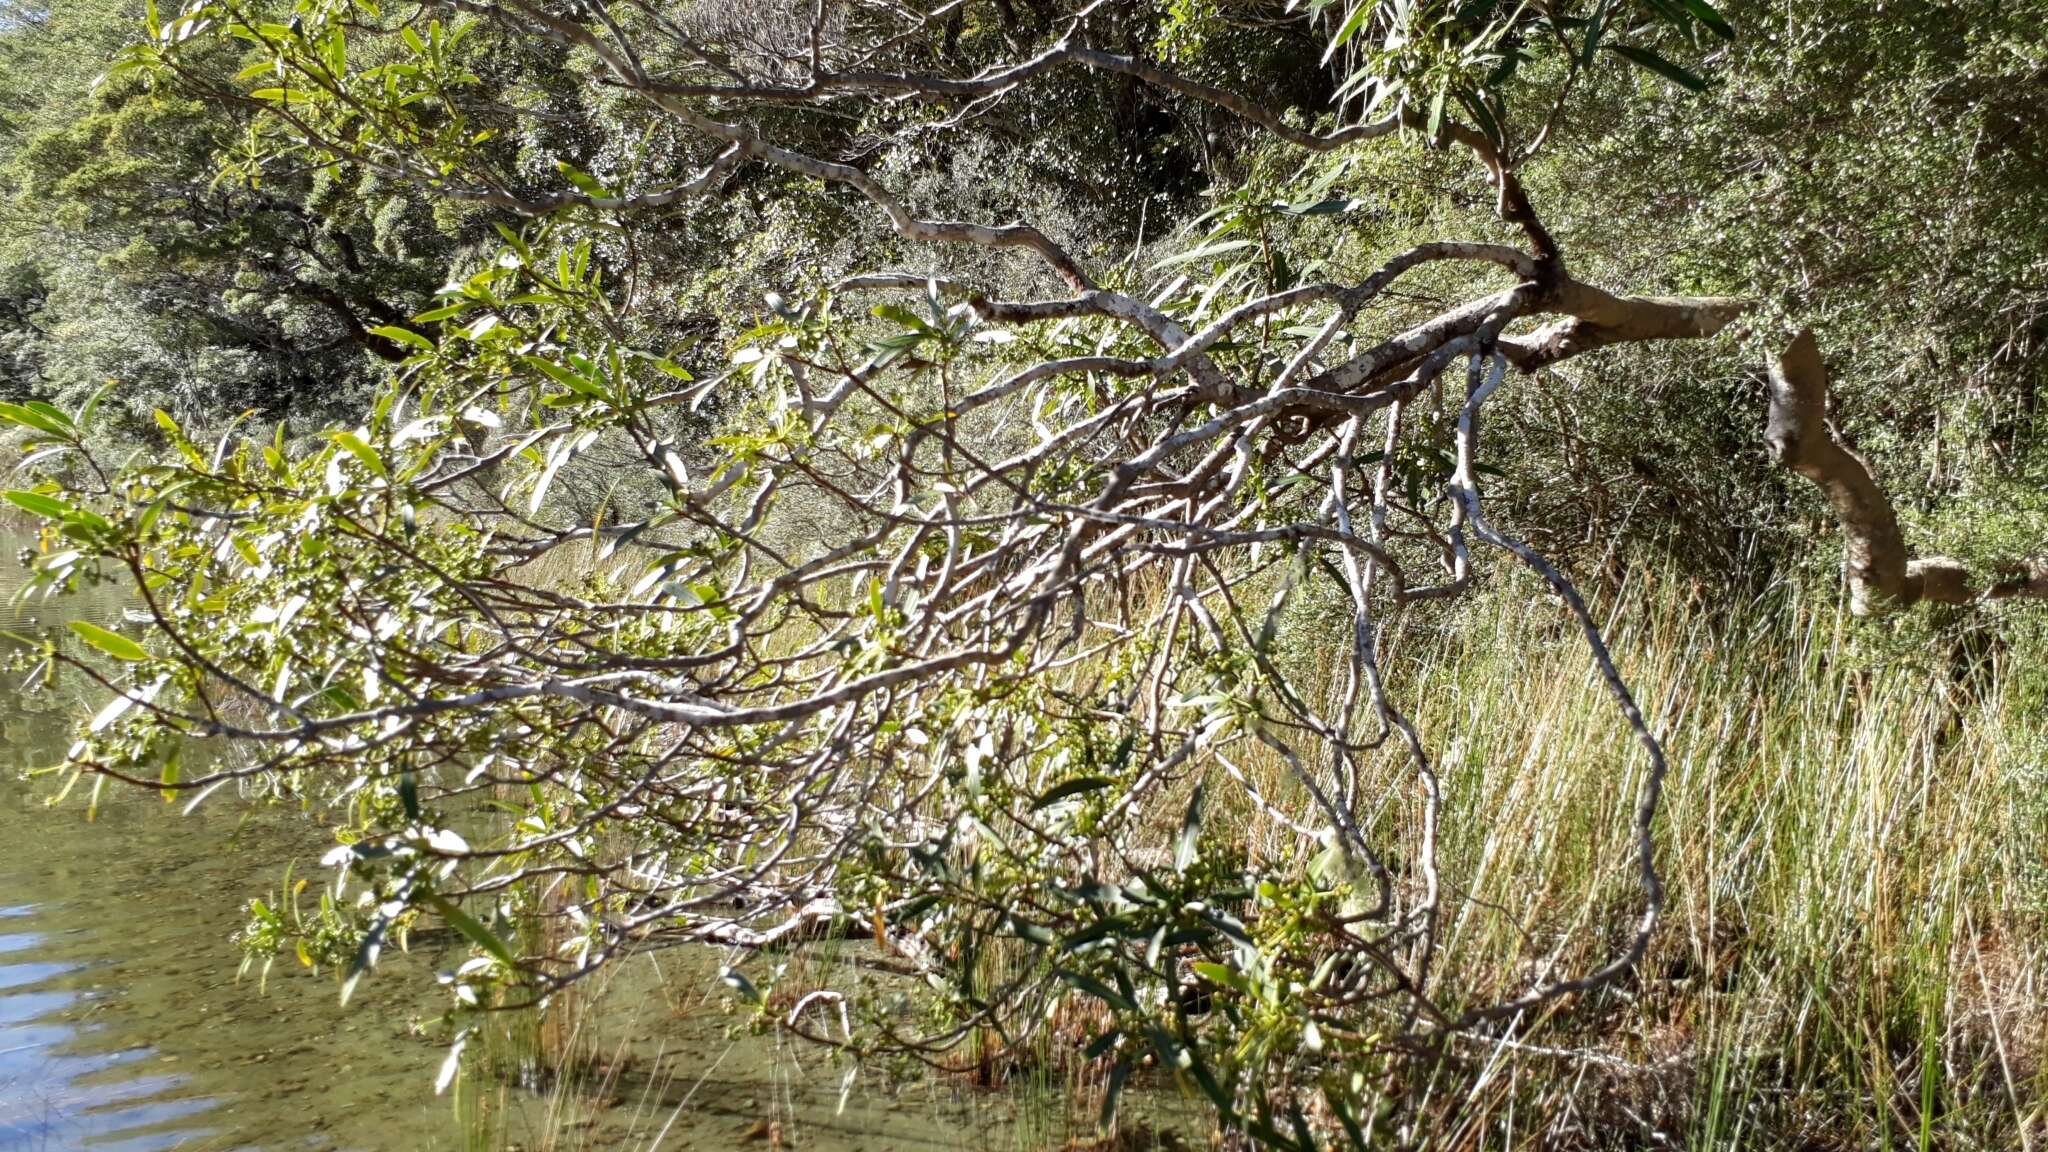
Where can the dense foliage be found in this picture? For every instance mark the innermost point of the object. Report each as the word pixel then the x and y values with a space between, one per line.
pixel 742 532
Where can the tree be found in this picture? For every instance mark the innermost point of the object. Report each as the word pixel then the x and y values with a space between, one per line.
pixel 128 256
pixel 951 619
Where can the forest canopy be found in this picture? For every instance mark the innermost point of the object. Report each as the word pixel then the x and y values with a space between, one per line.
pixel 948 475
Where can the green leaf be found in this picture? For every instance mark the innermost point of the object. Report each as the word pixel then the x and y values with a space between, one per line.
pixel 168 778
pixel 112 643
pixel 362 452
pixel 1596 27
pixel 584 181
pixel 433 314
pixel 1074 787
pixel 1101 1044
pixel 1222 975
pixel 1205 252
pixel 1190 843
pixel 30 418
pixel 403 336
pixel 901 315
pixel 1672 12
pixel 573 381
pixel 91 406
pixel 1352 23
pixel 365 957
pixel 1329 207
pixel 1230 926
pixel 1350 1123
pixel 50 411
pixel 1096 988
pixel 469 926
pixel 1199 1070
pixel 1035 933
pixel 1707 14
pixel 1650 61
pixel 1110 1094
pixel 1100 930
pixel 738 982
pixel 48 507
pixel 1483 116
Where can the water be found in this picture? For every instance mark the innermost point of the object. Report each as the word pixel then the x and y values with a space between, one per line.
pixel 122 1023
pixel 124 1027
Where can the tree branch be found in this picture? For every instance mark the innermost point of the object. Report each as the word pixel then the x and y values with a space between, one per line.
pixel 1883 574
pixel 1596 318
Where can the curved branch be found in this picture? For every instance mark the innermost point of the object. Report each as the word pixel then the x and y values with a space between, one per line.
pixel 1596 318
pixel 1882 571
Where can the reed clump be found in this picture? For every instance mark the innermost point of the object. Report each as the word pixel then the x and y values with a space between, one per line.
pixel 1855 841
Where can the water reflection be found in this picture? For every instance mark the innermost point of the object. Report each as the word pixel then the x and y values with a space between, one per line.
pixel 122 1024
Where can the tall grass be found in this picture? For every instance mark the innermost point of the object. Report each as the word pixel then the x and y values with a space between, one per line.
pixel 1855 840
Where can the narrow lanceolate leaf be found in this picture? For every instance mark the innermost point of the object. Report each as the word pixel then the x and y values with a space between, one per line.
pixel 738 982
pixel 1352 23
pixel 1101 1045
pixel 1482 115
pixel 1189 847
pixel 112 643
pixel 365 957
pixel 443 313
pixel 1084 983
pixel 1205 252
pixel 1223 976
pixel 589 185
pixel 91 406
pixel 568 378
pixel 50 412
pixel 1111 1094
pixel 1035 933
pixel 474 929
pixel 1596 27
pixel 403 336
pixel 30 418
pixel 451 1064
pixel 1708 15
pixel 1649 61
pixel 362 452
pixel 48 507
pixel 1074 787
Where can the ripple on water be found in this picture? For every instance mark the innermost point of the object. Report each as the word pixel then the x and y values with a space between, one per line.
pixel 18 941
pixel 34 972
pixel 122 1025
pixel 56 1092
pixel 123 1028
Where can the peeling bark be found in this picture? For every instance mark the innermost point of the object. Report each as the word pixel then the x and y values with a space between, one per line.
pixel 1882 572
pixel 1596 318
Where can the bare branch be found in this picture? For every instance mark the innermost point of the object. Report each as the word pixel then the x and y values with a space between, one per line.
pixel 1882 572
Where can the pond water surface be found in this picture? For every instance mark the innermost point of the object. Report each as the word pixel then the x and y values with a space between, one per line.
pixel 124 1025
